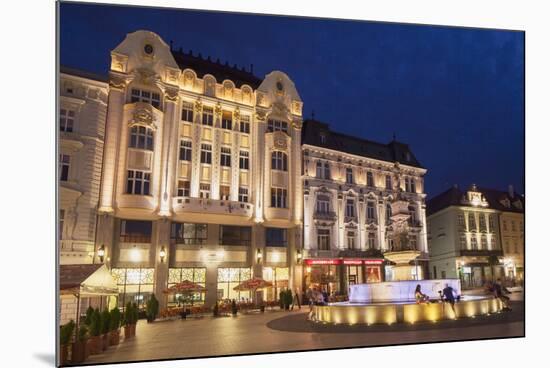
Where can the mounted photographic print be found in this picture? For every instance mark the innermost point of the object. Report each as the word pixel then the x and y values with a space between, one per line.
pixel 234 183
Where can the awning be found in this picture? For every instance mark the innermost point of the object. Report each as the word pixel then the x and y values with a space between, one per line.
pixel 86 280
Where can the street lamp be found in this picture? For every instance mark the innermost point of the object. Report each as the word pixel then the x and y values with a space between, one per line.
pixel 259 255
pixel 162 254
pixel 101 253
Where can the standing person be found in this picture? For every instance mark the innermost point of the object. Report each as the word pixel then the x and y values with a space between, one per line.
pixel 297 296
pixel 499 291
pixel 449 297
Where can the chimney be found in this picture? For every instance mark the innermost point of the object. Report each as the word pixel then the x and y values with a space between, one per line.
pixel 511 191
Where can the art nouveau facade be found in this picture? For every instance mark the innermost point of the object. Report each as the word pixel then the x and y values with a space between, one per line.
pixel 82 111
pixel 350 186
pixel 201 173
pixel 511 222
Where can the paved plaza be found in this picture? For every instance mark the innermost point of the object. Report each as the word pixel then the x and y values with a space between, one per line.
pixel 279 331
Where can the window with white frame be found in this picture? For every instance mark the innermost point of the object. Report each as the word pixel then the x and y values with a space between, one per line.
pixel 66 120
pixel 319 170
pixel 244 124
pixel 484 242
pixel 460 220
pixel 371 206
pixel 139 95
pixel 371 240
pixel 138 182
pixel 349 175
pixel 279 161
pixel 206 153
pixel 327 171
pixel 278 197
pixel 207 116
pixel 225 157
pixel 473 241
pixel 243 160
pixel 186 150
pixel 350 207
pixel 243 194
pixel 277 125
pixel 204 190
pixel 227 120
pixel 350 239
pixel 323 239
pixel 323 204
pixel 482 222
pixel 184 188
pixel 224 192
pixel 472 226
pixel 462 241
pixel 370 179
pixel 493 242
pixel 187 112
pixel 141 137
pixel 64 167
pixel 388 182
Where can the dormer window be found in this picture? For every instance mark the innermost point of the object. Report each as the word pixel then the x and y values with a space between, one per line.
pixel 149 97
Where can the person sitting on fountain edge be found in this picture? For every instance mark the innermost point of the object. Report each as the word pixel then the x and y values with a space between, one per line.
pixel 419 296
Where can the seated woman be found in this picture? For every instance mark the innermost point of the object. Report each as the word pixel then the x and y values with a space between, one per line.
pixel 419 296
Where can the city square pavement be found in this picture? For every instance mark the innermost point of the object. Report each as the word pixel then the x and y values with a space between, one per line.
pixel 279 331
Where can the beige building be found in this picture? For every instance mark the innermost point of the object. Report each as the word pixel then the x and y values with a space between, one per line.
pixel 82 112
pixel 201 174
pixel 351 186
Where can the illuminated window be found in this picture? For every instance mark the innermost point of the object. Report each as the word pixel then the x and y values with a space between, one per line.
pixel 224 192
pixel 141 137
pixel 188 233
pixel 323 239
pixel 472 226
pixel 279 161
pixel 277 125
pixel 196 275
pixel 206 154
pixel 370 179
pixel 138 182
pixel 243 160
pixel 243 194
pixel 64 166
pixel 228 279
pixel 278 197
pixel 207 116
pixel 135 285
pixel 152 98
pixel 183 188
pixel 187 112
pixel 244 125
pixel 225 157
pixel 227 120
pixel 204 190
pixel 66 120
pixel 186 150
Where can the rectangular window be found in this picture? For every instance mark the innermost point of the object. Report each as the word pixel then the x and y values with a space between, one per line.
pixel 460 221
pixel 134 231
pixel 196 275
pixel 319 170
pixel 138 182
pixel 224 192
pixel 64 166
pixel 513 225
pixel 371 240
pixel 388 182
pixel 482 222
pixel 278 197
pixel 207 116
pixel 472 226
pixel 235 235
pixel 243 160
pixel 349 175
pixel 187 112
pixel 278 161
pixel 66 120
pixel 412 242
pixel 186 150
pixel 484 242
pixel 371 210
pixel 61 223
pixel 463 241
pixel 206 154
pixel 141 137
pixel 183 188
pixel 327 171
pixel 244 125
pixel 227 120
pixel 277 125
pixel 152 98
pixel 276 237
pixel 323 205
pixel 225 157
pixel 413 185
pixel 228 279
pixel 204 190
pixel 473 242
pixel 370 179
pixel 187 233
pixel 504 225
pixel 323 239
pixel 350 208
pixel 351 239
pixel 243 194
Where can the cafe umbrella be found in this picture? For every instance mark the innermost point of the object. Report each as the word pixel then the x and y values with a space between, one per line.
pixel 185 287
pixel 253 285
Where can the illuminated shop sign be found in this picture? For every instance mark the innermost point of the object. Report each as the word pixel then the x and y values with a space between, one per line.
pixel 353 261
pixel 323 261
pixel 337 261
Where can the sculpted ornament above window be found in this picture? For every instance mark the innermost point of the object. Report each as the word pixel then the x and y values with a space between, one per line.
pixel 143 115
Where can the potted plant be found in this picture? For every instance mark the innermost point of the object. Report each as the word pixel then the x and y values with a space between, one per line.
pixel 94 343
pixel 152 308
pixel 65 334
pixel 114 327
pixel 79 345
pixel 135 317
pixel 105 325
pixel 216 310
pixel 89 314
pixel 282 299
pixel 288 299
pixel 233 307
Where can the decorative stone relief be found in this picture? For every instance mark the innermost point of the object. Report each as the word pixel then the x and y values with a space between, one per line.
pixel 198 106
pixel 143 115
pixel 171 95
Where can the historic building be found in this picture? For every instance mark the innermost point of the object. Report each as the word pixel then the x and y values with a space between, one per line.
pixel 363 203
pixel 82 111
pixel 201 174
pixel 466 231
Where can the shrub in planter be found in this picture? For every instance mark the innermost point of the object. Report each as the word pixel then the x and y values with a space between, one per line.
pixel 152 308
pixel 216 310
pixel 127 321
pixel 65 334
pixel 105 324
pixel 89 313
pixel 233 307
pixel 282 299
pixel 114 327
pixel 135 317
pixel 79 346
pixel 288 298
pixel 94 343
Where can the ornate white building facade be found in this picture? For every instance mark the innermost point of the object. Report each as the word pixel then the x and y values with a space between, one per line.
pixel 350 187
pixel 201 174
pixel 82 112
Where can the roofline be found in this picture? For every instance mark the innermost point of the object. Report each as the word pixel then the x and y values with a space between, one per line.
pixel 420 168
pixel 84 75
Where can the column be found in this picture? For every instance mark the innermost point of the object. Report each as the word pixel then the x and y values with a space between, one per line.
pixel 161 239
pixel 104 237
pixel 169 151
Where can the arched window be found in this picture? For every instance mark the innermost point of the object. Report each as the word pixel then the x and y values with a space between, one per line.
pixel 141 137
pixel 279 161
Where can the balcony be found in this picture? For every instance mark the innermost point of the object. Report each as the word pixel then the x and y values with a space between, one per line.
pixel 324 215
pixel 481 252
pixel 211 206
pixel 135 238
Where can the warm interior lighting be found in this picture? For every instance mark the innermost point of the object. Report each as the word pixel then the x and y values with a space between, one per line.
pixel 134 255
pixel 162 254
pixel 101 253
pixel 259 255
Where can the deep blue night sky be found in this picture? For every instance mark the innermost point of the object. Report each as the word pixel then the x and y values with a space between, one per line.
pixel 454 95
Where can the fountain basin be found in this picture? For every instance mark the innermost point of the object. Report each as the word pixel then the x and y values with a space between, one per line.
pixel 399 291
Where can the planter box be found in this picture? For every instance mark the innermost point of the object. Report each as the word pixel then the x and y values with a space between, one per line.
pixel 105 341
pixel 95 345
pixel 78 352
pixel 114 337
pixel 63 354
